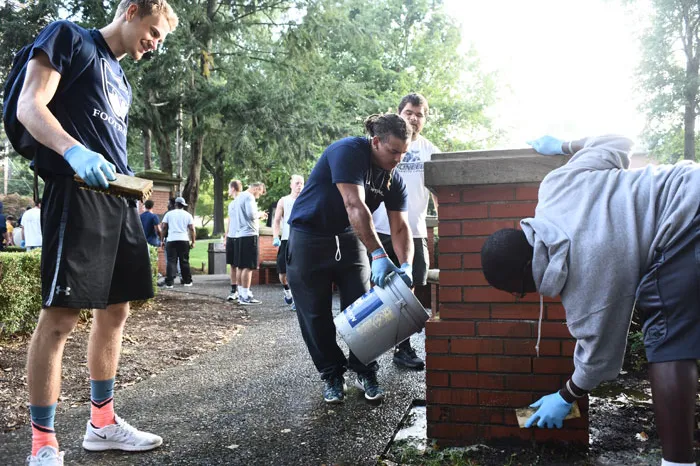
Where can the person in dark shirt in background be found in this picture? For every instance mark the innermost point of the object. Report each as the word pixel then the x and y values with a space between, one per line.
pixel 151 224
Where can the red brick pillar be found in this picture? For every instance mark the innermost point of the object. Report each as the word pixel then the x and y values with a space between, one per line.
pixel 481 362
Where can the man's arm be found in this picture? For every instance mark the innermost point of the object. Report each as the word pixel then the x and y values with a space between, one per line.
pixel 401 236
pixel 193 234
pixel 40 85
pixel 163 233
pixel 359 215
pixel 279 215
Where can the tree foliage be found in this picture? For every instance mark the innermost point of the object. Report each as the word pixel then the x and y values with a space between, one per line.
pixel 258 88
pixel 669 77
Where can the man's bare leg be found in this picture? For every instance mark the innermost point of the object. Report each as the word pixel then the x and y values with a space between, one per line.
pixel 674 389
pixel 44 372
pixel 105 344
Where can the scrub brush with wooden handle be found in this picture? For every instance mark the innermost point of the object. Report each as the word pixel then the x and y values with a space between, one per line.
pixel 128 187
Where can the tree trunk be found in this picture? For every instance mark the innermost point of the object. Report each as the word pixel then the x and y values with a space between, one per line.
pixel 692 81
pixel 691 45
pixel 219 189
pixel 163 145
pixel 191 189
pixel 147 154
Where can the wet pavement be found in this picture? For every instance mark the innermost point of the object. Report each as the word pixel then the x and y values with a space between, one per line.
pixel 255 400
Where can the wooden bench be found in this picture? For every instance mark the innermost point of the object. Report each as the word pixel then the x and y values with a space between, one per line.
pixel 267 273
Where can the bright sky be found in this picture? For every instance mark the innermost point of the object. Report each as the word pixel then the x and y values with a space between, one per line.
pixel 565 67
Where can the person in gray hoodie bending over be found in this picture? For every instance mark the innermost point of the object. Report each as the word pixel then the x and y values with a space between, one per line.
pixel 604 237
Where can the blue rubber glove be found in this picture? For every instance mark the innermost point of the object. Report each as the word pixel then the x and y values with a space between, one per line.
pixel 381 267
pixel 90 166
pixel 276 242
pixel 406 274
pixel 547 145
pixel 553 410
pixel 21 244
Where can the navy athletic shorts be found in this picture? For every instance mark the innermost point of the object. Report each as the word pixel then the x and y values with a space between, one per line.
pixel 94 252
pixel 231 245
pixel 668 299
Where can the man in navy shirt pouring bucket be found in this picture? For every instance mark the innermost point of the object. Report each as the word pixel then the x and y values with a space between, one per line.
pixel 74 102
pixel 331 230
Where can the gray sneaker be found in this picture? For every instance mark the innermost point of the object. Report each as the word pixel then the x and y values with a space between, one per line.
pixel 232 297
pixel 368 384
pixel 247 301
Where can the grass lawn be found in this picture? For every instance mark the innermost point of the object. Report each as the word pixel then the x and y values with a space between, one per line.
pixel 199 255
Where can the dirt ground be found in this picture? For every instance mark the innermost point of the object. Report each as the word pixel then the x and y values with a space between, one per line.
pixel 622 433
pixel 176 328
pixel 186 326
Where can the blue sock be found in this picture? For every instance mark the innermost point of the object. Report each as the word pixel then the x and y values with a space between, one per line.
pixel 43 415
pixel 101 390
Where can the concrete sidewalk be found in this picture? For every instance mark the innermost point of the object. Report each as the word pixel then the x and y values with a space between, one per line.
pixel 255 400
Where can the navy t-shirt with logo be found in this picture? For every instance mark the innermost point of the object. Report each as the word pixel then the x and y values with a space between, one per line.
pixel 94 108
pixel 149 220
pixel 320 208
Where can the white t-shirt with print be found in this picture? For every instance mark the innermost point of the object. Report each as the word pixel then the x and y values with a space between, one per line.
pixel 178 220
pixel 411 170
pixel 31 223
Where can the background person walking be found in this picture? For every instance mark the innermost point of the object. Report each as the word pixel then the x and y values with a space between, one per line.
pixel 178 229
pixel 282 213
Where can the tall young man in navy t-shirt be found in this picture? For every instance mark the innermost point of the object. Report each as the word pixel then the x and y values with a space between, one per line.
pixel 331 232
pixel 94 255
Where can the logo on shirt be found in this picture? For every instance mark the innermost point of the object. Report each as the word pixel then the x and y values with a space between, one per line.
pixel 411 163
pixel 116 92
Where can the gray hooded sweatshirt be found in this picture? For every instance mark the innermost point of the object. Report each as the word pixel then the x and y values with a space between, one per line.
pixel 596 228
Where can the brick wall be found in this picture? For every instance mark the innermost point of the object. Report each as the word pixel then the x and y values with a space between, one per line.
pixel 481 361
pixel 160 200
pixel 480 347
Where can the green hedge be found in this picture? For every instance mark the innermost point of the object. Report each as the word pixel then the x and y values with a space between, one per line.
pixel 20 289
pixel 202 232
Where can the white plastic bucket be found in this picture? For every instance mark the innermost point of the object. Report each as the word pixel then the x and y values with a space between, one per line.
pixel 381 319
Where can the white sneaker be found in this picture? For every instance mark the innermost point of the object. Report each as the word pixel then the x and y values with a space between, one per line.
pixel 119 436
pixel 46 456
pixel 233 296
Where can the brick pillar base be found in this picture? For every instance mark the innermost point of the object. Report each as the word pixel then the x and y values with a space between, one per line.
pixel 481 363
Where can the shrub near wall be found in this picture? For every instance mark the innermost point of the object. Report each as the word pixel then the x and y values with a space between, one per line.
pixel 20 291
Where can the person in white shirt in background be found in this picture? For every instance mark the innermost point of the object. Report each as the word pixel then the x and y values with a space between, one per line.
pixel 178 228
pixel 31 227
pixel 231 223
pixel 413 108
pixel 282 213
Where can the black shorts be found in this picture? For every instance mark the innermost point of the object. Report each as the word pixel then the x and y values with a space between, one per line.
pixel 282 258
pixel 94 251
pixel 420 257
pixel 668 299
pixel 231 244
pixel 247 248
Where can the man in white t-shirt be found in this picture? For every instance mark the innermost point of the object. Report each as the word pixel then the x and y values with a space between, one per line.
pixel 178 228
pixel 413 108
pixel 31 227
pixel 282 213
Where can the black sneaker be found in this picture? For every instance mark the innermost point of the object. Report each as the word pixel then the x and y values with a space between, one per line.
pixel 406 357
pixel 334 389
pixel 368 384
